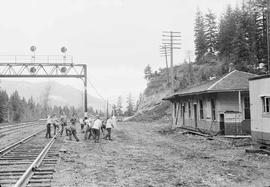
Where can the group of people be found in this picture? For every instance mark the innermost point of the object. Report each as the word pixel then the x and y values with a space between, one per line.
pixel 92 127
pixel 95 126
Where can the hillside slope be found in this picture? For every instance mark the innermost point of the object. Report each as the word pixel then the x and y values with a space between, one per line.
pixel 153 107
pixel 60 95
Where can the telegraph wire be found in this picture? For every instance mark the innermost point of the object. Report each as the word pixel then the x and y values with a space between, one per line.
pixel 98 94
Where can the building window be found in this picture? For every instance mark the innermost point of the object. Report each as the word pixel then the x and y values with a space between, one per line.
pixel 201 109
pixel 247 108
pixel 189 110
pixel 266 104
pixel 213 109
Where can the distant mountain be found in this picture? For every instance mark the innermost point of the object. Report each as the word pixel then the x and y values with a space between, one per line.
pixel 60 95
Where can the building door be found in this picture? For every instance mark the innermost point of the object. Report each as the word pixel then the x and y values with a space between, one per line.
pixel 222 124
pixel 195 115
pixel 183 114
pixel 246 108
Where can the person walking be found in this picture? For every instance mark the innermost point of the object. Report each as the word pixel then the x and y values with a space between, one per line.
pixel 55 124
pixel 63 120
pixel 114 121
pixel 86 121
pixel 73 131
pixel 81 123
pixel 89 130
pixel 90 124
pixel 48 127
pixel 96 128
pixel 109 126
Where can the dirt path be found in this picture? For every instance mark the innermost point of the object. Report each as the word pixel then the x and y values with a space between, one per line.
pixel 140 156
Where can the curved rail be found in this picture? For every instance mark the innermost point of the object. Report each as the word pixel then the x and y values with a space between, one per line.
pixel 2 151
pixel 30 171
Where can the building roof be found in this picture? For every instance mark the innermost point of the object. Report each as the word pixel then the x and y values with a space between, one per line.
pixel 260 77
pixel 233 81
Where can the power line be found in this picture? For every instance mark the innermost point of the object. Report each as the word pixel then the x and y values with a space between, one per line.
pixel 95 89
pixel 171 39
pixel 98 93
pixel 164 52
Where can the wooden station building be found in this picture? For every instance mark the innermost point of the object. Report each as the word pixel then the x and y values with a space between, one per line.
pixel 219 105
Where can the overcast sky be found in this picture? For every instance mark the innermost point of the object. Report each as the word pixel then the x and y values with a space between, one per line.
pixel 116 38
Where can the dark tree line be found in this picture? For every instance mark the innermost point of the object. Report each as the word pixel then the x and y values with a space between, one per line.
pixel 240 36
pixel 16 108
pixel 131 106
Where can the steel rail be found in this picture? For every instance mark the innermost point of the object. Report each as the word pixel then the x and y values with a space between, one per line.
pixel 15 128
pixel 30 171
pixel 6 149
pixel 13 125
pixel 19 124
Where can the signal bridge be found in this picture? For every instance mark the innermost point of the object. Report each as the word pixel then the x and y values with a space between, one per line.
pixel 50 66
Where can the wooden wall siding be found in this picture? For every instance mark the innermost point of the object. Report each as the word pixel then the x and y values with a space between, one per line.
pixel 227 102
pixel 260 124
pixel 261 136
pixel 203 124
pixel 224 102
pixel 242 128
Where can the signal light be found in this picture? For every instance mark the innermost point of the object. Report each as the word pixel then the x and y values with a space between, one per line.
pixel 63 70
pixel 33 69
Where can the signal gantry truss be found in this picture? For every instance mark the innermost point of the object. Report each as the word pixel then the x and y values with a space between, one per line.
pixel 42 70
pixel 52 67
pixel 43 67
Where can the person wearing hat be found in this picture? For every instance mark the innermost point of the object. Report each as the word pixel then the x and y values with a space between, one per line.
pixel 89 130
pixel 63 120
pixel 82 122
pixel 55 123
pixel 72 130
pixel 96 128
pixel 109 126
pixel 48 127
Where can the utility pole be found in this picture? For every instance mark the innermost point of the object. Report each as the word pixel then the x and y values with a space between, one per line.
pixel 267 32
pixel 188 55
pixel 107 109
pixel 172 39
pixel 164 52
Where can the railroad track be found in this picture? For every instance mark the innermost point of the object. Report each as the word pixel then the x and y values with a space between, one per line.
pixel 14 127
pixel 29 162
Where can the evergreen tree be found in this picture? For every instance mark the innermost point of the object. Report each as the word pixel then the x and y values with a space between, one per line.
pixel 139 102
pixel 16 107
pixel 130 105
pixel 114 109
pixel 200 38
pixel 3 106
pixel 119 106
pixel 147 72
pixel 259 11
pixel 211 31
pixel 191 73
pixel 244 42
pixel 46 100
pixel 66 111
pixel 226 34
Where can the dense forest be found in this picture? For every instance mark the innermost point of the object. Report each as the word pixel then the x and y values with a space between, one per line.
pixel 235 40
pixel 131 106
pixel 239 37
pixel 13 108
